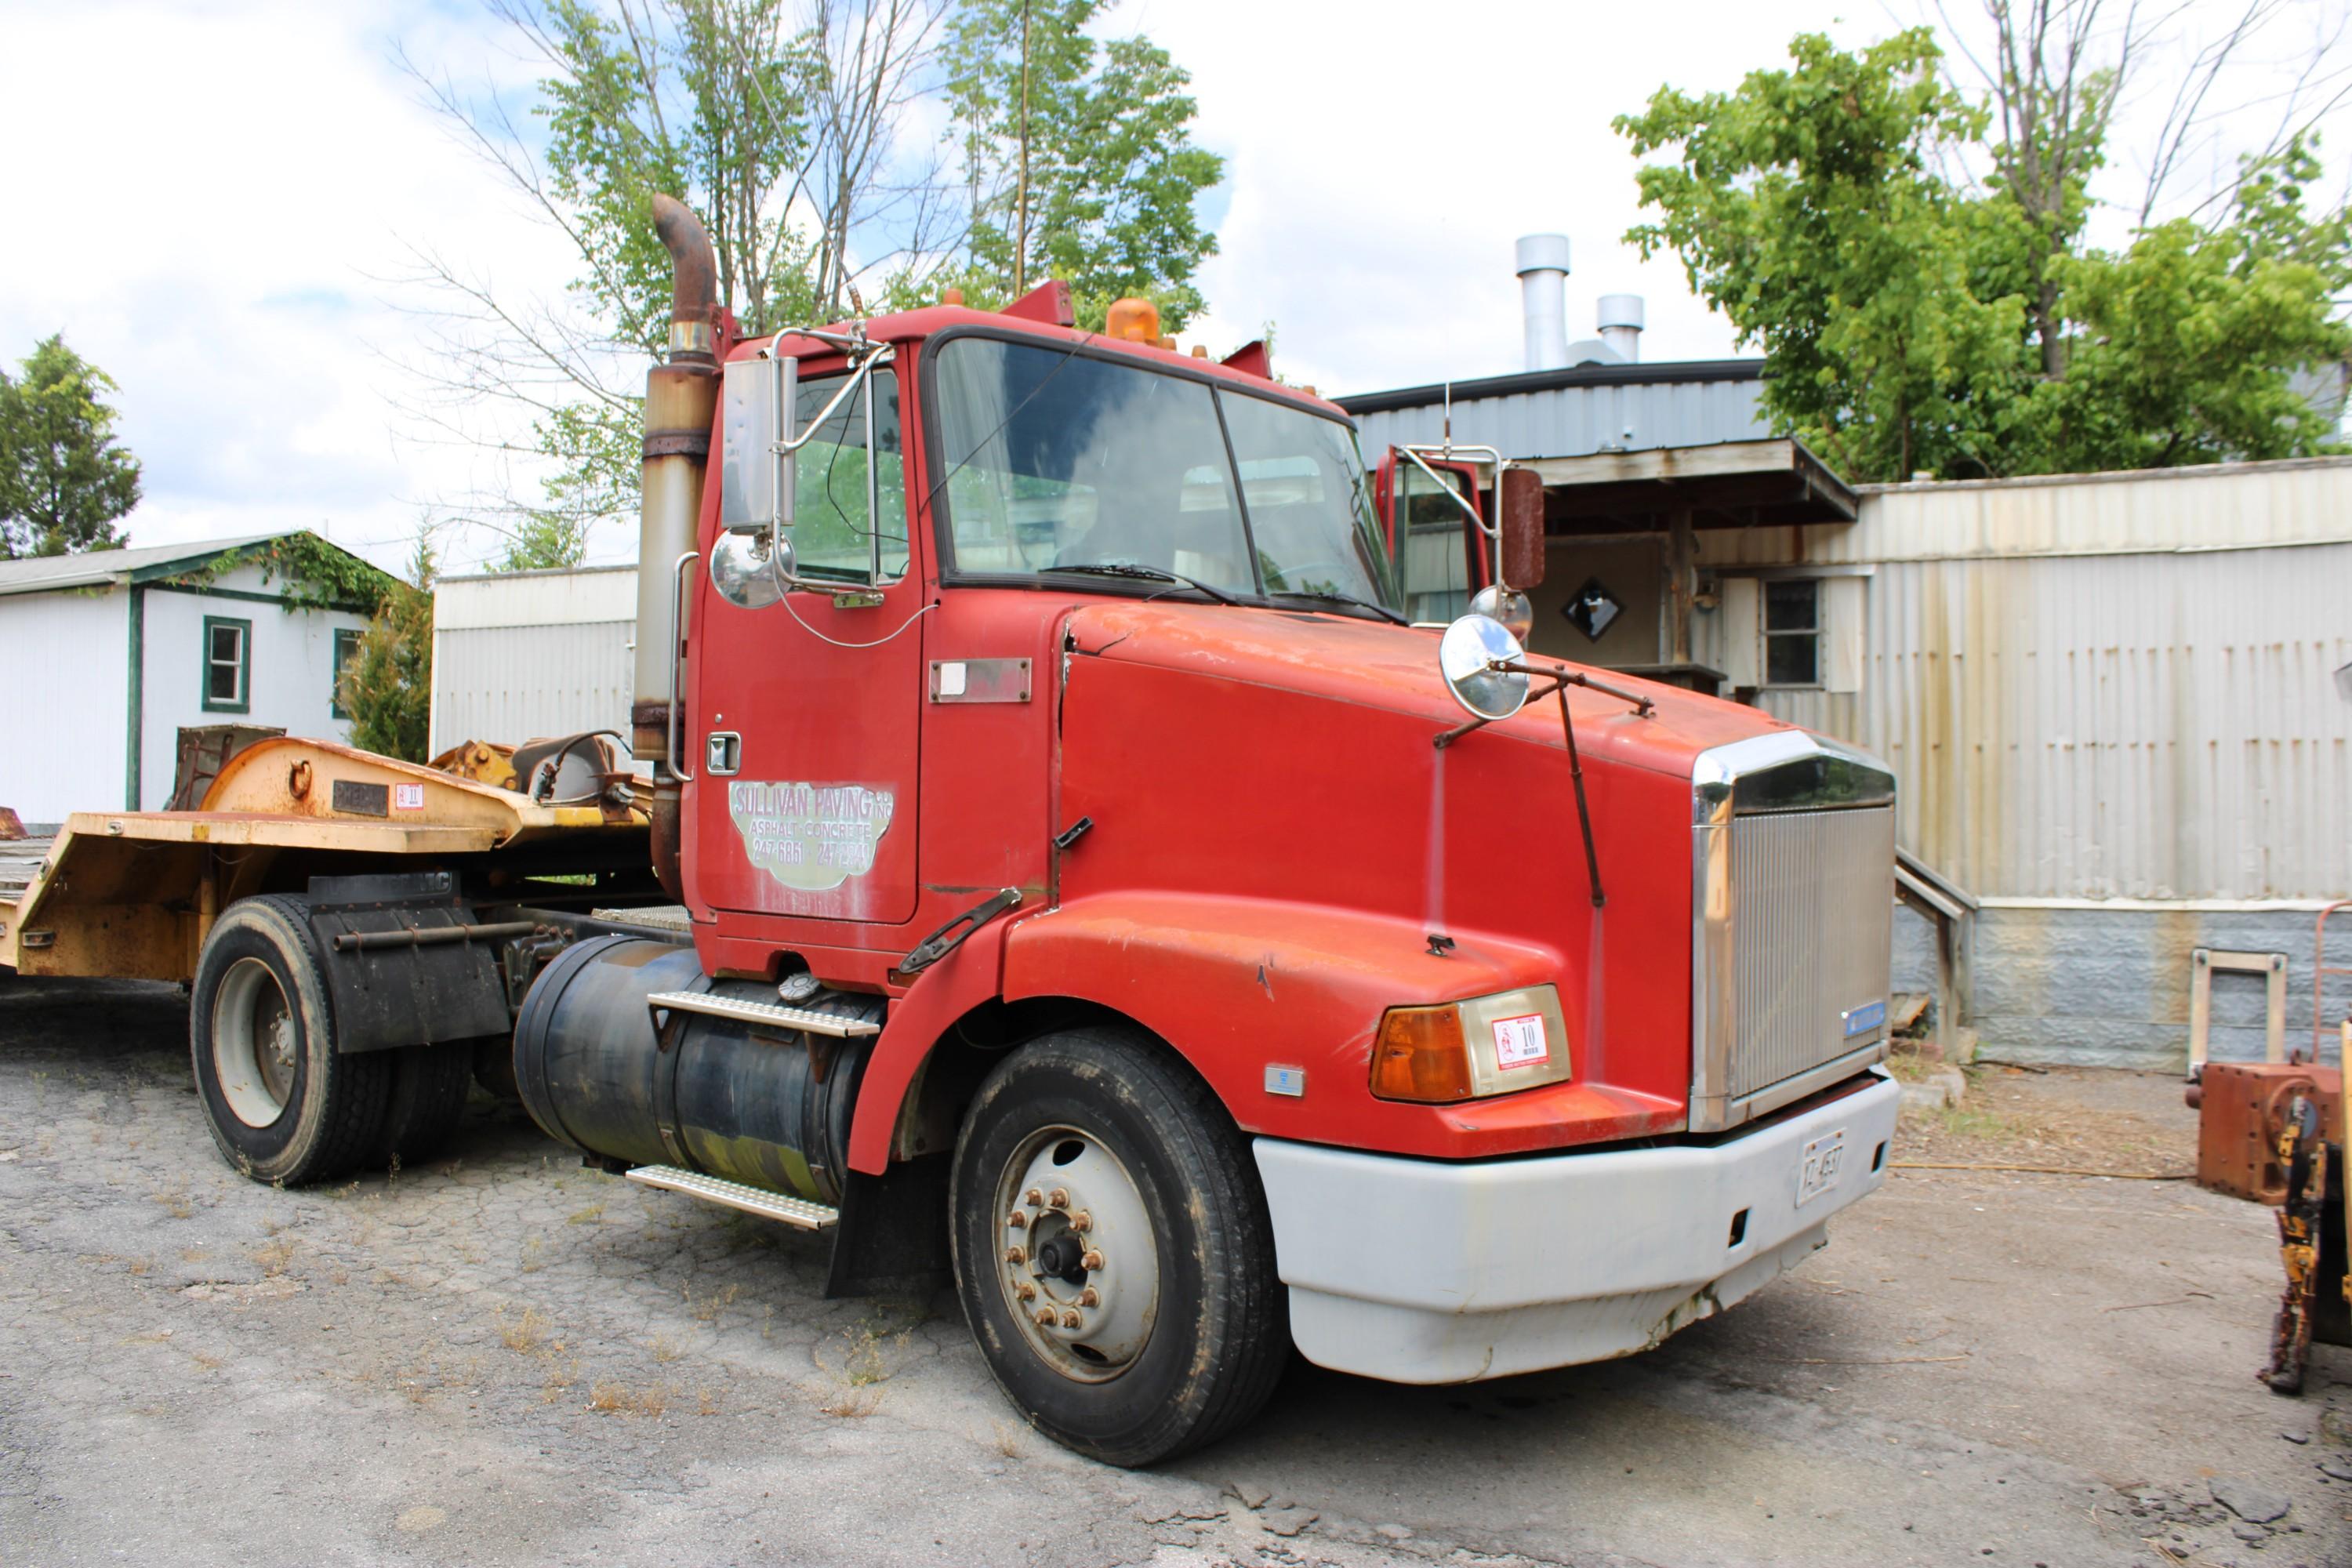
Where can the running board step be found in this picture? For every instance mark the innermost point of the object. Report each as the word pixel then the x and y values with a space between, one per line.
pixel 798 1213
pixel 767 1014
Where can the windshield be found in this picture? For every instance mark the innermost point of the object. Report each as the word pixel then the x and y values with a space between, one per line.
pixel 1060 461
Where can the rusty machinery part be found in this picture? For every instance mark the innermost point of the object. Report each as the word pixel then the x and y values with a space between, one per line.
pixel 2241 1109
pixel 484 761
pixel 766 1107
pixel 2311 1244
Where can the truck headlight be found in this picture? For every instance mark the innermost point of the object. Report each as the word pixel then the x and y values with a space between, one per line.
pixel 1470 1049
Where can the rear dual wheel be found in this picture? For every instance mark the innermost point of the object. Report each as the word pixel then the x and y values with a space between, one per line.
pixel 284 1105
pixel 1113 1252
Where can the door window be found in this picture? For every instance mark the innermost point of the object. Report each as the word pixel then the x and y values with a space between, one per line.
pixel 1434 559
pixel 834 539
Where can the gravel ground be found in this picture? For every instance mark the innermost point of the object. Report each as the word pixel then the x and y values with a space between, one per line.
pixel 504 1359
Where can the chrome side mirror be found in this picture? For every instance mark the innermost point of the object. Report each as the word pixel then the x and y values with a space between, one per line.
pixel 1466 656
pixel 750 571
pixel 755 463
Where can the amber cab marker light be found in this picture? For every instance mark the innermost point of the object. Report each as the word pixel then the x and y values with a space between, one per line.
pixel 1421 1056
pixel 1134 321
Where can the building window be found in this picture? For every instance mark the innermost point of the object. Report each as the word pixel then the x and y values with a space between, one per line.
pixel 228 664
pixel 347 649
pixel 1792 632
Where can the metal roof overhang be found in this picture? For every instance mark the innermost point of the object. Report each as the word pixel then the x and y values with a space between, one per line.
pixel 1733 484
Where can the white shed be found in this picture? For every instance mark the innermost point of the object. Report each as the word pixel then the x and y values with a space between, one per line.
pixel 110 654
pixel 519 655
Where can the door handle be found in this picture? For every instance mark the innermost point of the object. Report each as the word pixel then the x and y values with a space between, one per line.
pixel 723 754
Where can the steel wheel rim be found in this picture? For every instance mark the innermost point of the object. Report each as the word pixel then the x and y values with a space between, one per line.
pixel 254 1044
pixel 1064 1199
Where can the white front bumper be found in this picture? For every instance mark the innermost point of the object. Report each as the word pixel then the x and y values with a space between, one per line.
pixel 1421 1271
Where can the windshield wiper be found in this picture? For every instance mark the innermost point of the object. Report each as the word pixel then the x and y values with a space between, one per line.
pixel 1337 597
pixel 1156 573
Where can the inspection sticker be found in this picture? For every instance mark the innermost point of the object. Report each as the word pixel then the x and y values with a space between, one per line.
pixel 408 797
pixel 1520 1042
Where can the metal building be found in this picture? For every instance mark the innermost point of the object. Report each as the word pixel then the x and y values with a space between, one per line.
pixel 521 655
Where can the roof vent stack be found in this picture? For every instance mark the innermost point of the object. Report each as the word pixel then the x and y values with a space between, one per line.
pixel 1621 325
pixel 1543 286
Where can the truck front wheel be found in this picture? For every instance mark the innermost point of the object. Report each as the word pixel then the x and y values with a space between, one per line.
pixel 285 1107
pixel 1113 1252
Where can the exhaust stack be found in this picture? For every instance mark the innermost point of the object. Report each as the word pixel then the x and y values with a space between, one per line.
pixel 681 394
pixel 1621 325
pixel 1543 288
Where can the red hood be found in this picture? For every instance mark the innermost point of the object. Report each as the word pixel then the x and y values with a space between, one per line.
pixel 1347 659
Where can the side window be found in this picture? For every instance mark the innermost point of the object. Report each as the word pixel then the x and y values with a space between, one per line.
pixel 833 537
pixel 347 649
pixel 1430 546
pixel 1792 632
pixel 228 664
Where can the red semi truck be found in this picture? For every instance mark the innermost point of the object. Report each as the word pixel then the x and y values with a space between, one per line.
pixel 1066 871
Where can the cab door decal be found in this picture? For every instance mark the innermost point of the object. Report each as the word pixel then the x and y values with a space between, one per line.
pixel 810 837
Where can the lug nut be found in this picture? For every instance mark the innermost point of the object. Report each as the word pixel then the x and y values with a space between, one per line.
pixel 1045 1317
pixel 1019 1221
pixel 1033 1198
pixel 1059 1198
pixel 1091 1261
pixel 1089 1297
pixel 1025 1290
pixel 1016 1255
pixel 1083 1221
pixel 1070 1318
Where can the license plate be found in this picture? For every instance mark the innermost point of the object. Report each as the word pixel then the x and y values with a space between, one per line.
pixel 1824 1164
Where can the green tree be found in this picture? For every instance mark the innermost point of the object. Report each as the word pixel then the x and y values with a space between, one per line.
pixel 1911 321
pixel 64 478
pixel 1078 160
pixel 387 687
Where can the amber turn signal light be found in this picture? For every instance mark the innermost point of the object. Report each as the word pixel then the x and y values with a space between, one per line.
pixel 1421 1056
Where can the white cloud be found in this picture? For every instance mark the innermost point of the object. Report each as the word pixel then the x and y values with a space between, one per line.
pixel 212 231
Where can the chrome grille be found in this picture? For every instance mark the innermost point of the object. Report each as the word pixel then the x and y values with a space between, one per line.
pixel 1813 917
pixel 1792 895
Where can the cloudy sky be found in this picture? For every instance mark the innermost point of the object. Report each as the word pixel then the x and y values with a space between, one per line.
pixel 219 202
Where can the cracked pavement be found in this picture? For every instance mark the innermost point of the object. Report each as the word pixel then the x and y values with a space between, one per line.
pixel 502 1358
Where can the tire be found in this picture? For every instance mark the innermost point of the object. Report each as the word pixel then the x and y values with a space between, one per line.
pixel 285 1107
pixel 1134 1145
pixel 425 1099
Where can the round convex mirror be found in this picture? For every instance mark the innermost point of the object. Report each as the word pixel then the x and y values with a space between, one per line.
pixel 1465 656
pixel 746 573
pixel 1507 606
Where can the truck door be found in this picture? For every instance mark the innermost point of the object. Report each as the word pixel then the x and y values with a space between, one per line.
pixel 806 712
pixel 1438 553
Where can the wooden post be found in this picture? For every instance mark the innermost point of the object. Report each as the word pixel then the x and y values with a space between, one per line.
pixel 1682 584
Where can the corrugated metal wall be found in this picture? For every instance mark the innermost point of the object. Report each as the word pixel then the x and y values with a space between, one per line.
pixel 532 654
pixel 2105 725
pixel 1569 421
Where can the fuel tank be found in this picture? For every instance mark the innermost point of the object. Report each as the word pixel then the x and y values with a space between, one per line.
pixel 767 1108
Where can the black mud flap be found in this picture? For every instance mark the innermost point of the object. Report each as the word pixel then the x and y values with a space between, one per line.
pixel 892 1236
pixel 386 997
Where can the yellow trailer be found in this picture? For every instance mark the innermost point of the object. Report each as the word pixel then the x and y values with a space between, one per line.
pixel 354 931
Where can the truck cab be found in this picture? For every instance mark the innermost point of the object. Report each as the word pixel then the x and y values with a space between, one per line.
pixel 1087 877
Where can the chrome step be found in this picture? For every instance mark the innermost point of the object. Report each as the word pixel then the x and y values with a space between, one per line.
pixel 768 1015
pixel 798 1213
